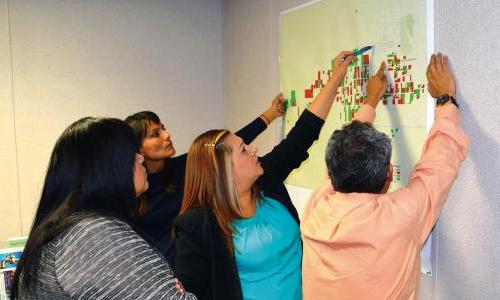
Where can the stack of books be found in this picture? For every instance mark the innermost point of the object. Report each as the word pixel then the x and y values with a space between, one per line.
pixel 16 242
pixel 8 262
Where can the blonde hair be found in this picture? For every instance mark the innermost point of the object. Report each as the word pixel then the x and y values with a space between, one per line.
pixel 210 182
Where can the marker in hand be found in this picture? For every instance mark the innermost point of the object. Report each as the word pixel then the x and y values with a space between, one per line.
pixel 358 52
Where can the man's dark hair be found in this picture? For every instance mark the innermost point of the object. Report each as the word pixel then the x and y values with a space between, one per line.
pixel 358 157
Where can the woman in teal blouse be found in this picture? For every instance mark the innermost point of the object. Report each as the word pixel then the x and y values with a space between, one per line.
pixel 268 252
pixel 238 231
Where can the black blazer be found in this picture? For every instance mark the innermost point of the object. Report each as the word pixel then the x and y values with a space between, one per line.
pixel 204 264
pixel 164 205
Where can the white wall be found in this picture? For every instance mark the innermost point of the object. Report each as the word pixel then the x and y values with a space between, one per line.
pixel 72 59
pixel 467 238
pixel 10 224
pixel 251 77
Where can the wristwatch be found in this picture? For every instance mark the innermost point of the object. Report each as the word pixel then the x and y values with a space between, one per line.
pixel 443 99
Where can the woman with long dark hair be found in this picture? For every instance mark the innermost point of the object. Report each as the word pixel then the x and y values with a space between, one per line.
pixel 162 201
pixel 82 243
pixel 238 231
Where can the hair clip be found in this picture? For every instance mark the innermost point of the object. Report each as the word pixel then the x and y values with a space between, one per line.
pixel 219 135
pixel 209 145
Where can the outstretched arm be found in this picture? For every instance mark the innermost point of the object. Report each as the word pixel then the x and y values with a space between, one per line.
pixel 375 89
pixel 276 109
pixel 257 126
pixel 292 151
pixel 442 155
pixel 323 101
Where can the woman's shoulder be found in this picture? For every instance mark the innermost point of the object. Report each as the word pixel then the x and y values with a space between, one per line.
pixel 193 217
pixel 97 221
pixel 96 228
pixel 94 235
pixel 177 161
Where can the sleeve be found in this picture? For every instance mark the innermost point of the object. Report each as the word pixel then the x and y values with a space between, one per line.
pixel 432 178
pixel 366 113
pixel 252 130
pixel 192 263
pixel 292 150
pixel 107 259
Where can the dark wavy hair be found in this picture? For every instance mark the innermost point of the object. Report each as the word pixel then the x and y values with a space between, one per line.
pixel 90 173
pixel 140 122
pixel 358 157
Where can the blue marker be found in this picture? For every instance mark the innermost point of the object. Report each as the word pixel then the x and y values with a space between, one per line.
pixel 358 52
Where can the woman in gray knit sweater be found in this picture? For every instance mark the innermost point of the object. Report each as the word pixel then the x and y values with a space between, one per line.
pixel 82 244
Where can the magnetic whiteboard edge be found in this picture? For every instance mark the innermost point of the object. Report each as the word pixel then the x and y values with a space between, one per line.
pixel 430 51
pixel 426 252
pixel 299 7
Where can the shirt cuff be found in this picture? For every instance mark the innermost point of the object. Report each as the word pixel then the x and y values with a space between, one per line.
pixel 448 111
pixel 263 123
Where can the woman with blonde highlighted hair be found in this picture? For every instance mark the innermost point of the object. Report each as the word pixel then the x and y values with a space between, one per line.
pixel 211 181
pixel 238 231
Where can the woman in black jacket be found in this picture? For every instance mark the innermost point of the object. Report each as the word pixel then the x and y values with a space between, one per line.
pixel 162 201
pixel 238 231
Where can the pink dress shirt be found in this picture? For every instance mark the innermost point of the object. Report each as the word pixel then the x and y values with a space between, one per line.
pixel 367 246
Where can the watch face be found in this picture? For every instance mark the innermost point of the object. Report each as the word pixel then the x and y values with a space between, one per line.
pixel 443 99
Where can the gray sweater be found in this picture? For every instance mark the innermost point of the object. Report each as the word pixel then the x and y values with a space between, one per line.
pixel 102 258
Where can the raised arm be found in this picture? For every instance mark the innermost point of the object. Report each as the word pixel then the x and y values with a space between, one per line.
pixel 375 89
pixel 276 109
pixel 323 101
pixel 257 126
pixel 444 150
pixel 292 151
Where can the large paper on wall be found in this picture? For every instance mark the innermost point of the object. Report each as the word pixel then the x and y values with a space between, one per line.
pixel 310 37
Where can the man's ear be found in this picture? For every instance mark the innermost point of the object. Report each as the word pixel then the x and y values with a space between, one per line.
pixel 388 179
pixel 390 172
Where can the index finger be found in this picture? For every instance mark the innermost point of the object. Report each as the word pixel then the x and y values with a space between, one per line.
pixel 432 63
pixel 445 62
pixel 278 97
pixel 348 60
pixel 381 70
pixel 343 54
pixel 439 61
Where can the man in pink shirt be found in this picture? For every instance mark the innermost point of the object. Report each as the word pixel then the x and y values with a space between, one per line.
pixel 361 242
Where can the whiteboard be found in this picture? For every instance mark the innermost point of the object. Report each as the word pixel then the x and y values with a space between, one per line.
pixel 402 35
